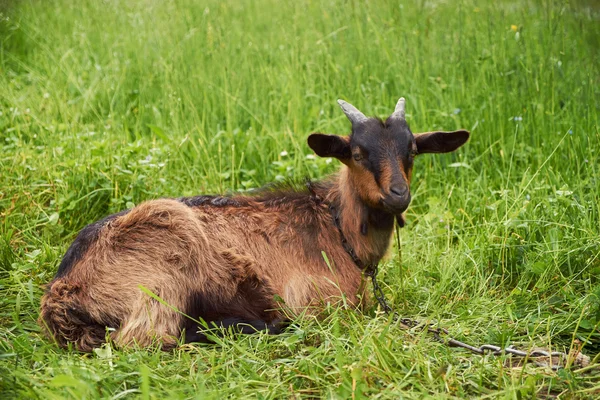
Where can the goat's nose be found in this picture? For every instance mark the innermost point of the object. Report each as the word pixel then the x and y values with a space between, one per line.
pixel 399 190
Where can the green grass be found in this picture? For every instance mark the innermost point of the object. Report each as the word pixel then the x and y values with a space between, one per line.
pixel 105 104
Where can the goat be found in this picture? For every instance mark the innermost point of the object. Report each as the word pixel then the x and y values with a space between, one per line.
pixel 230 260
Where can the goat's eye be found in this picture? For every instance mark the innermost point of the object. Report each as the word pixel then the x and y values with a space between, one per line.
pixel 357 156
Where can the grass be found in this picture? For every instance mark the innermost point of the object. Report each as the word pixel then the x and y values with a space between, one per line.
pixel 104 104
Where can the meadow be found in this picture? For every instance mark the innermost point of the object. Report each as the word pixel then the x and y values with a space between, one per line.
pixel 105 104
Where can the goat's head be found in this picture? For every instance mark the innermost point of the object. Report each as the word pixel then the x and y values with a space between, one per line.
pixel 380 155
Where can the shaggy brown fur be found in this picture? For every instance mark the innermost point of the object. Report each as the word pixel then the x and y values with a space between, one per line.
pixel 226 260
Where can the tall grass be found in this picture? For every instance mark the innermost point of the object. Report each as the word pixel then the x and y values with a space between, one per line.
pixel 104 104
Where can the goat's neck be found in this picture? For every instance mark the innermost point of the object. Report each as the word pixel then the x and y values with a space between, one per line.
pixel 367 230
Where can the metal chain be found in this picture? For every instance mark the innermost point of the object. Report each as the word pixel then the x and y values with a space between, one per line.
pixel 441 334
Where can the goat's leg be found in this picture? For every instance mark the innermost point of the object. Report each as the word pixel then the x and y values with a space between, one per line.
pixel 235 325
pixel 151 322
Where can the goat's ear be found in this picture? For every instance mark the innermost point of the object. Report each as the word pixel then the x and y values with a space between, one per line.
pixel 330 146
pixel 440 142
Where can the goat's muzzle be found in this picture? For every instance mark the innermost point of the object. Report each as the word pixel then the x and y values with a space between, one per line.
pixel 397 200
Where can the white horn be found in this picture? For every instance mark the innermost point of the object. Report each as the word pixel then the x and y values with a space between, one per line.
pixel 352 112
pixel 399 112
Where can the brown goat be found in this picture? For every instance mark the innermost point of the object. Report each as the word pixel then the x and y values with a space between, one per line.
pixel 225 260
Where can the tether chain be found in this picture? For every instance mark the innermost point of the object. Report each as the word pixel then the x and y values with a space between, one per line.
pixel 441 334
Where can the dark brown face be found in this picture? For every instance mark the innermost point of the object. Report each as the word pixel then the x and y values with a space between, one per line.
pixel 381 163
pixel 380 156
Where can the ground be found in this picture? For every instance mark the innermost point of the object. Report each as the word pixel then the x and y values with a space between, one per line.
pixel 104 104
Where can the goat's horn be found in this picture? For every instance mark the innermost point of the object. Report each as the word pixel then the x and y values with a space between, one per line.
pixel 352 112
pixel 399 112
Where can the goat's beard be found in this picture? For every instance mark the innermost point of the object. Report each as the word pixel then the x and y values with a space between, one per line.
pixel 400 220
